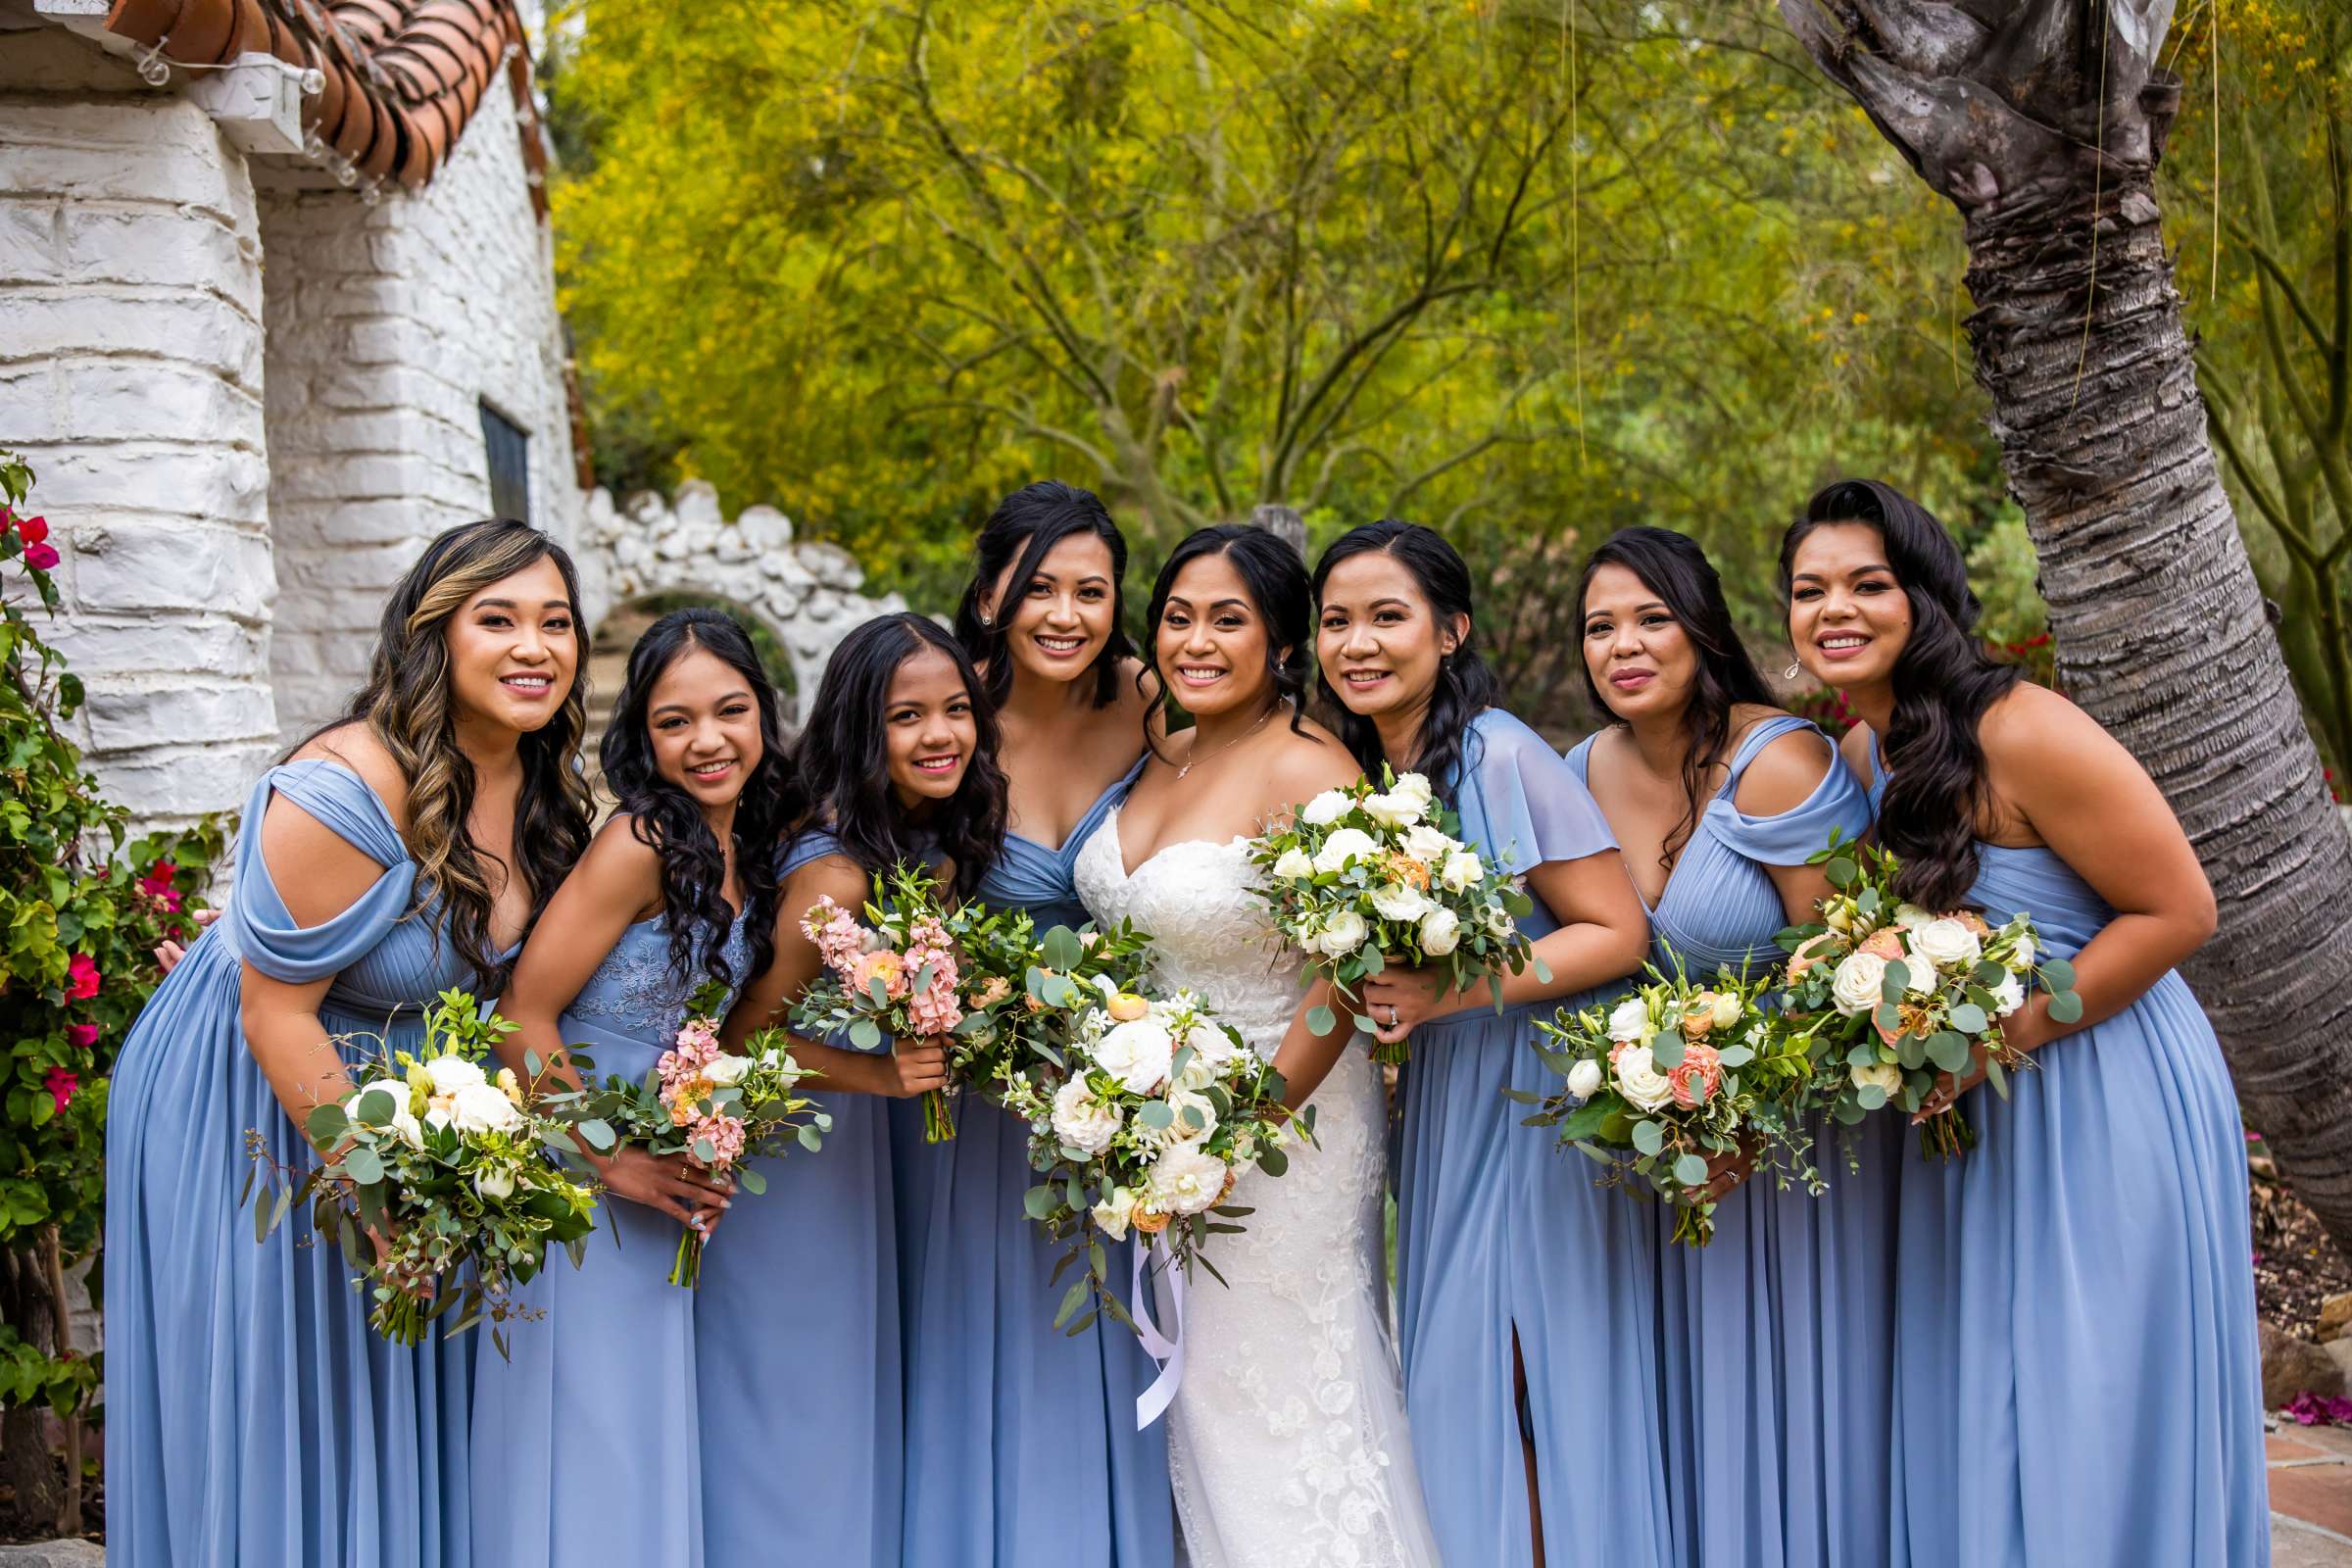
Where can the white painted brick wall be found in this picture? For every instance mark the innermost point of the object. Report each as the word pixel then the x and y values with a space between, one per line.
pixel 387 325
pixel 131 376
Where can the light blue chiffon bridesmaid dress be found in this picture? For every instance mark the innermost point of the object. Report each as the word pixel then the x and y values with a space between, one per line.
pixel 2079 1383
pixel 1778 1336
pixel 1500 1237
pixel 252 1416
pixel 796 1347
pixel 1022 1444
pixel 587 1442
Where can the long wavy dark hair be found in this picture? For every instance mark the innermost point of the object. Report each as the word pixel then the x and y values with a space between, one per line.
pixel 842 767
pixel 407 704
pixel 1465 687
pixel 1945 680
pixel 666 819
pixel 1020 534
pixel 1277 582
pixel 1672 566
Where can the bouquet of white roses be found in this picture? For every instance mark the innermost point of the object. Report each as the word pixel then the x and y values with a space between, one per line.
pixel 717 1109
pixel 1681 1077
pixel 1906 994
pixel 446 1162
pixel 1363 878
pixel 898 974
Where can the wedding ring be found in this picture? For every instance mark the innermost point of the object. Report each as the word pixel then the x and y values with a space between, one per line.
pixel 1392 1015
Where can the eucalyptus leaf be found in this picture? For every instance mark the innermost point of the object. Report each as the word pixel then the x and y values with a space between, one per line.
pixel 1648 1137
pixel 1691 1169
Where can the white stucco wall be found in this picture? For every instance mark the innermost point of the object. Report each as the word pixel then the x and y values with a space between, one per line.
pixel 131 377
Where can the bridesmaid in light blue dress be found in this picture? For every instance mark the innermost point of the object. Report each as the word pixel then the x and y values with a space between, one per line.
pixel 797 1323
pixel 1021 1441
pixel 1778 1336
pixel 2079 1382
pixel 587 1437
pixel 1528 1295
pixel 252 1415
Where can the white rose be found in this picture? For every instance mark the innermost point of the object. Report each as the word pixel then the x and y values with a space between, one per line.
pixel 1187 1179
pixel 1427 845
pixel 1462 869
pixel 724 1071
pixel 1441 932
pixel 1343 933
pixel 2008 996
pixel 1136 1054
pixel 481 1109
pixel 1324 809
pixel 1886 1074
pixel 495 1185
pixel 1113 1212
pixel 1910 916
pixel 1082 1121
pixel 1628 1022
pixel 1397 901
pixel 1348 844
pixel 1199 1073
pixel 1211 1044
pixel 1295 864
pixel 1390 811
pixel 1855 986
pixel 453 1073
pixel 1584 1079
pixel 1946 943
pixel 1412 788
pixel 405 1125
pixel 1639 1081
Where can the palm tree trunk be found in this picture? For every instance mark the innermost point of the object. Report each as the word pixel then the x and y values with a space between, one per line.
pixel 2042 121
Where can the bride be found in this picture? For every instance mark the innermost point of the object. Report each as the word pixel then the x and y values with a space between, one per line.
pixel 1287 1440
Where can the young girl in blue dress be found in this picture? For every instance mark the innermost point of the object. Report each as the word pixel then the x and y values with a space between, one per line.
pixel 588 1435
pixel 796 1339
pixel 1528 1297
pixel 252 1415
pixel 1021 1441
pixel 1778 1335
pixel 2078 1380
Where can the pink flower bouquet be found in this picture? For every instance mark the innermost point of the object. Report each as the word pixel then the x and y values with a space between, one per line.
pixel 897 975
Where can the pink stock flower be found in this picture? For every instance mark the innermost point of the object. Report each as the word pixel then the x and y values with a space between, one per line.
pixel 40 558
pixel 81 1036
pixel 839 939
pixel 1696 1076
pixel 934 1011
pixel 61 1085
pixel 81 978
pixel 725 1134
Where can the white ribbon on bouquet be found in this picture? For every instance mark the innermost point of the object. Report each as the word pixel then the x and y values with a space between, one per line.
pixel 1168 1354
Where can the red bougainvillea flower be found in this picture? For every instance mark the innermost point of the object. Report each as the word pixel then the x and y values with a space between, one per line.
pixel 157 884
pixel 33 529
pixel 81 1036
pixel 40 558
pixel 81 978
pixel 61 1085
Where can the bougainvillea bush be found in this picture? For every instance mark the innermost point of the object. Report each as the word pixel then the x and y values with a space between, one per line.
pixel 81 904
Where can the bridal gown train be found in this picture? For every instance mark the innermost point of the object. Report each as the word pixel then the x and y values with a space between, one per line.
pixel 1287 1443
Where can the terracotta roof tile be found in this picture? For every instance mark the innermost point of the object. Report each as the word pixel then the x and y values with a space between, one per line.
pixel 402 78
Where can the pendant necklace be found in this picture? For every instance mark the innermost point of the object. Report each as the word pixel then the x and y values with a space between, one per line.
pixel 1195 761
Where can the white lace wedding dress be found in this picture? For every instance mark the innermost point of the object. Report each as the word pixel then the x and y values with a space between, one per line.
pixel 1287 1441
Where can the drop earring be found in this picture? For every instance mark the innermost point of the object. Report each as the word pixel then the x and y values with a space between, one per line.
pixel 1793 671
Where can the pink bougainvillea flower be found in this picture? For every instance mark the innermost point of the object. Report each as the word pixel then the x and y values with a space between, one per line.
pixel 158 880
pixel 40 558
pixel 33 530
pixel 2319 1411
pixel 81 1036
pixel 81 978
pixel 61 1084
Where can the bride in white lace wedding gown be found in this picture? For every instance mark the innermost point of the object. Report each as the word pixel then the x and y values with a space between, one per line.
pixel 1287 1440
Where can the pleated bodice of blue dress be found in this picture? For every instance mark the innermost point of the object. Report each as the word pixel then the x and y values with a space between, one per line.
pixel 1504 1240
pixel 796 1345
pixel 587 1437
pixel 1777 1338
pixel 252 1416
pixel 2080 1383
pixel 1021 1442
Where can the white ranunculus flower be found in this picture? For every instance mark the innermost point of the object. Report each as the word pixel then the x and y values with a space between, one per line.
pixel 1211 1044
pixel 724 1071
pixel 1441 932
pixel 1639 1081
pixel 1584 1079
pixel 405 1125
pixel 1343 933
pixel 1397 901
pixel 1324 809
pixel 1135 1052
pixel 1082 1121
pixel 2024 948
pixel 1345 845
pixel 1910 916
pixel 1886 1074
pixel 1413 787
pixel 481 1109
pixel 1628 1022
pixel 1199 1072
pixel 1187 1179
pixel 1946 943
pixel 1856 985
pixel 1294 863
pixel 1389 810
pixel 1113 1213
pixel 495 1185
pixel 2008 996
pixel 1463 868
pixel 1180 1131
pixel 453 1073
pixel 1427 845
